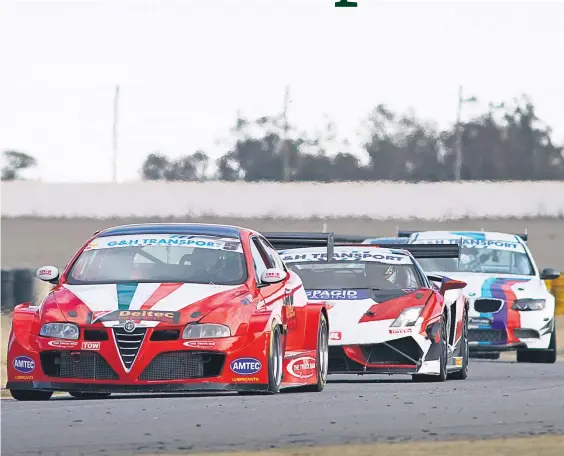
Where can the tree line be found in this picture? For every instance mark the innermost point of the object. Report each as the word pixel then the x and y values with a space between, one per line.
pixel 508 142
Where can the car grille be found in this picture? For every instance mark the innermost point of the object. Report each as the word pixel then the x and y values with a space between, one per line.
pixel 384 354
pixel 487 335
pixel 86 365
pixel 488 305
pixel 128 344
pixel 178 365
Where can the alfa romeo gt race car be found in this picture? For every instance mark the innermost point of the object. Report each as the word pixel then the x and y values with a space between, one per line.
pixel 387 316
pixel 169 307
pixel 510 306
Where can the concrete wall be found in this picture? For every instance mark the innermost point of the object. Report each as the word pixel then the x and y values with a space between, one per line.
pixel 29 242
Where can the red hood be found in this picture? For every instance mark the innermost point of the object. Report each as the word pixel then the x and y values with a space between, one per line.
pixel 82 304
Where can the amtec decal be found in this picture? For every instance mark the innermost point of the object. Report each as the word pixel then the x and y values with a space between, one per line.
pixel 24 364
pixel 246 366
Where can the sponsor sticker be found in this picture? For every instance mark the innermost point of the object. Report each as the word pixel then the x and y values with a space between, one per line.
pixel 458 361
pixel 244 379
pixel 24 377
pixel 401 330
pixel 302 368
pixel 164 316
pixel 91 346
pixel 337 295
pixel 246 366
pixel 200 344
pixel 335 335
pixel 63 343
pixel 24 364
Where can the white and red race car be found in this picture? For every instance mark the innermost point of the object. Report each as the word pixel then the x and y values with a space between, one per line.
pixel 387 316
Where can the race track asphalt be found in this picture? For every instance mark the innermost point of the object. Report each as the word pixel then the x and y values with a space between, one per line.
pixel 498 399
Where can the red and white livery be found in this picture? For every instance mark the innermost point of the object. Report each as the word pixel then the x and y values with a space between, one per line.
pixel 169 307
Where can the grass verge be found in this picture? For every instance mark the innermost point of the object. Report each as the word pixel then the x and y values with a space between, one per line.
pixel 516 446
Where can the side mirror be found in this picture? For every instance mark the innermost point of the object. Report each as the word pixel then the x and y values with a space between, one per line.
pixel 48 274
pixel 451 284
pixel 549 274
pixel 273 275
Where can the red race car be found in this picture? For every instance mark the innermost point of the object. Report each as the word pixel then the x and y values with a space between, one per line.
pixel 169 307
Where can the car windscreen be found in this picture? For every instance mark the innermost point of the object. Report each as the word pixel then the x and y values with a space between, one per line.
pixel 336 275
pixel 160 258
pixel 482 260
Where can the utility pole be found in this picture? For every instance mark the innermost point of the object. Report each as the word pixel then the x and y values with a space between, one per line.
pixel 115 136
pixel 286 149
pixel 459 131
pixel 458 142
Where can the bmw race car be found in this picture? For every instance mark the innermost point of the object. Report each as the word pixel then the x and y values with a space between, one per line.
pixel 510 306
pixel 169 307
pixel 387 316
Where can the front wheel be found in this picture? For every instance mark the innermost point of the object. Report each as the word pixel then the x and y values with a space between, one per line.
pixel 539 356
pixel 275 364
pixel 322 362
pixel 442 360
pixel 462 374
pixel 31 395
pixel 81 395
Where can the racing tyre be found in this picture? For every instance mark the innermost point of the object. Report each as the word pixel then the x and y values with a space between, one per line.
pixel 275 361
pixel 81 395
pixel 31 395
pixel 539 356
pixel 462 374
pixel 322 357
pixel 442 360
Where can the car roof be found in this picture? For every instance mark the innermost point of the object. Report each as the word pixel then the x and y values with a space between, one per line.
pixel 201 229
pixel 478 235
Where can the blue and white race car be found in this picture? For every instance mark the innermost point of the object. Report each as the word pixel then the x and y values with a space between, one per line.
pixel 510 305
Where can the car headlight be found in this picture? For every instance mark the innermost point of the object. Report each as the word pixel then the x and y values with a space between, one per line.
pixel 408 317
pixel 205 331
pixel 529 304
pixel 60 331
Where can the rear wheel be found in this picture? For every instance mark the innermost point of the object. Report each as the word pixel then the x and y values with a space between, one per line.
pixel 462 374
pixel 322 358
pixel 81 395
pixel 442 359
pixel 31 395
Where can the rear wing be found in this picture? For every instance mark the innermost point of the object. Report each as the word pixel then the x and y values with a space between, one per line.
pixel 406 234
pixel 284 241
pixel 420 250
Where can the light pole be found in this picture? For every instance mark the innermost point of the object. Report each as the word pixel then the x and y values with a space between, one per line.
pixel 115 136
pixel 459 131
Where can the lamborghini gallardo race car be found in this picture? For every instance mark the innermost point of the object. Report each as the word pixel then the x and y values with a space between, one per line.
pixel 387 316
pixel 169 307
pixel 510 306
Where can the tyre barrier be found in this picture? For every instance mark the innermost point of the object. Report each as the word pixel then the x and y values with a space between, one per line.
pixel 556 287
pixel 18 286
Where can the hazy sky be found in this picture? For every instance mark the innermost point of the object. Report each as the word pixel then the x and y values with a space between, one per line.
pixel 186 67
